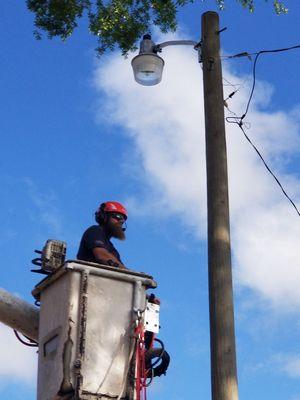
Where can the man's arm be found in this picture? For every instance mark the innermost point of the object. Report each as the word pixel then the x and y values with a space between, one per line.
pixel 103 255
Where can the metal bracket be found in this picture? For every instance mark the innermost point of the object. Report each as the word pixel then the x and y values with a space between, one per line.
pixel 221 30
pixel 198 48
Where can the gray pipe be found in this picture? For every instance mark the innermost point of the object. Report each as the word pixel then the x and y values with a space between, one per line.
pixel 19 315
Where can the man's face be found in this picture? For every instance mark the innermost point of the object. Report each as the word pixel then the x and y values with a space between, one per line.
pixel 114 225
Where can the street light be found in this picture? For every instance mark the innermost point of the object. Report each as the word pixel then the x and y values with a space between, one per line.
pixel 147 65
pixel 147 69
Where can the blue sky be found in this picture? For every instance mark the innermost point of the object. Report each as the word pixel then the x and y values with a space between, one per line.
pixel 77 130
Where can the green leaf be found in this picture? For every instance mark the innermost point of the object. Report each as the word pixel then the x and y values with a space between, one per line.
pixel 120 23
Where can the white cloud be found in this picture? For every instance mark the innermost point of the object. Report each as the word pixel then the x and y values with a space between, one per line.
pixel 292 367
pixel 288 363
pixel 18 362
pixel 166 126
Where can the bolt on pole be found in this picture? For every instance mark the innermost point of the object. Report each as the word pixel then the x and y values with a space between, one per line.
pixel 222 338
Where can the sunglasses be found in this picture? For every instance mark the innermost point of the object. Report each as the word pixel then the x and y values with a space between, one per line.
pixel 118 217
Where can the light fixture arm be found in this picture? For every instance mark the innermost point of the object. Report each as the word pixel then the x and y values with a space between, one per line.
pixel 158 48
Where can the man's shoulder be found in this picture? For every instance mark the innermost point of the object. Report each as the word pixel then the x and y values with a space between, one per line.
pixel 94 228
pixel 95 231
pixel 95 236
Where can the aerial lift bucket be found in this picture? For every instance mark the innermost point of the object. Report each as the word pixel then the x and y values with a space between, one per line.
pixel 88 316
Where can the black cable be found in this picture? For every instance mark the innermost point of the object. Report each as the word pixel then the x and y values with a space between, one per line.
pixel 269 169
pixel 253 87
pixel 239 120
pixel 150 379
pixel 32 343
pixel 161 354
pixel 257 54
pixel 246 54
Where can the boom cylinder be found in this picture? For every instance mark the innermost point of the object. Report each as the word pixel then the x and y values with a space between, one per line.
pixel 19 315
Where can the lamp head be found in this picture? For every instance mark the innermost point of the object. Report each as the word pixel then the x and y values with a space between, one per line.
pixel 147 65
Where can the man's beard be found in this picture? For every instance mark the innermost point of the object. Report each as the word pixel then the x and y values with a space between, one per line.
pixel 115 230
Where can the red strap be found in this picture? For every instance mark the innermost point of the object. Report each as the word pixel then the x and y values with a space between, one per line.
pixel 141 376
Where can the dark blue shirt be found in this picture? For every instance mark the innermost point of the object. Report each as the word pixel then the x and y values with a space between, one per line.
pixel 95 236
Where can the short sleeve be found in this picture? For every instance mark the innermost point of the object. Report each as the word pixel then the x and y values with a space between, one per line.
pixel 94 237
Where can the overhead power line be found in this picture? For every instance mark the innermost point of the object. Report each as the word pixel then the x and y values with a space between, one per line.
pixel 239 119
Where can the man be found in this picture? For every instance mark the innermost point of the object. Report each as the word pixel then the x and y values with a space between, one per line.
pixel 95 245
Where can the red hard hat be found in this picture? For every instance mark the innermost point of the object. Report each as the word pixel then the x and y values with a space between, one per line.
pixel 114 206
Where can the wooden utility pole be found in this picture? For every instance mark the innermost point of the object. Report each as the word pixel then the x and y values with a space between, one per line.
pixel 222 340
